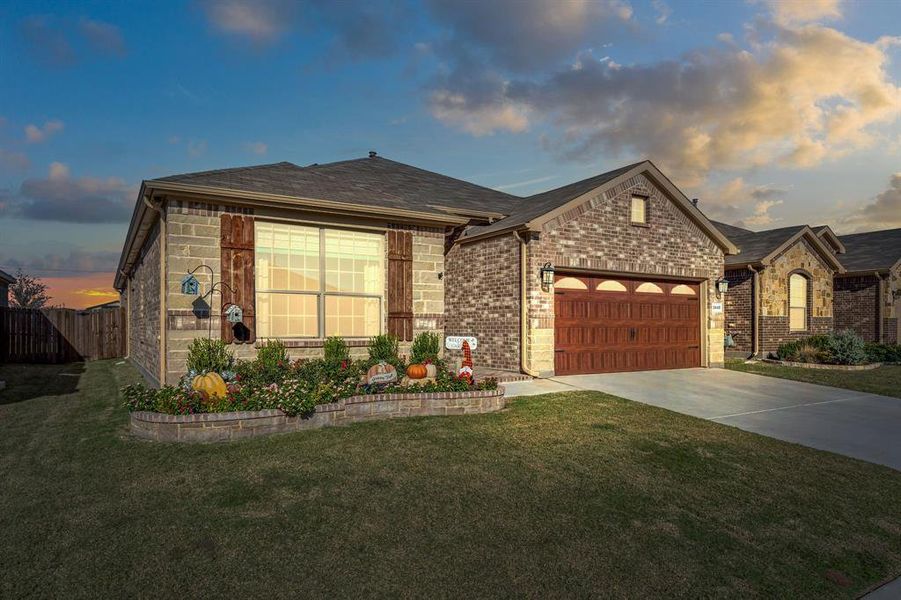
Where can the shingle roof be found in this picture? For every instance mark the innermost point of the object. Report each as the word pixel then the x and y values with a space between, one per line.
pixel 539 204
pixel 373 181
pixel 6 277
pixel 871 251
pixel 755 245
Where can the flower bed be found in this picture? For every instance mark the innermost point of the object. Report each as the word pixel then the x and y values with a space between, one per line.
pixel 283 395
pixel 804 365
pixel 842 350
pixel 225 426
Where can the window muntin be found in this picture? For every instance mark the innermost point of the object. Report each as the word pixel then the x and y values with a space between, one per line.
pixel 639 210
pixel 316 282
pixel 610 285
pixel 649 288
pixel 797 302
pixel 682 290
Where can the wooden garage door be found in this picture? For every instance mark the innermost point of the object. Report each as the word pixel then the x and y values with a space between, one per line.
pixel 604 324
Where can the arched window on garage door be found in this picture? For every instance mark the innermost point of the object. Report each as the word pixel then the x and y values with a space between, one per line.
pixel 649 288
pixel 570 283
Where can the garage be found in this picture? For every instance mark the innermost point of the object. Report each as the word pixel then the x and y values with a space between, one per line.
pixel 611 324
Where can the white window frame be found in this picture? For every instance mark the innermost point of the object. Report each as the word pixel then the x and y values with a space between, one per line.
pixel 322 293
pixel 644 212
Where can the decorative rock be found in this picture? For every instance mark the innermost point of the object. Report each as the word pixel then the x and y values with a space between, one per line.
pixel 381 373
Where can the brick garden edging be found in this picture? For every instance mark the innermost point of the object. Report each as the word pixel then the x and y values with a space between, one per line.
pixel 788 363
pixel 215 427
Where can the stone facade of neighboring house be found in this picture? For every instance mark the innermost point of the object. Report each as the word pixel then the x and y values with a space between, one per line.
pixel 757 304
pixel 868 296
pixel 450 262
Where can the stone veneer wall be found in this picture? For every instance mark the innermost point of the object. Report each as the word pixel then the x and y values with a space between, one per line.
pixel 738 309
pixel 774 326
pixel 215 427
pixel 482 290
pixel 598 236
pixel 193 239
pixel 143 309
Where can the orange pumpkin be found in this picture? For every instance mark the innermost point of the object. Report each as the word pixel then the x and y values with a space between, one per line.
pixel 416 371
pixel 211 384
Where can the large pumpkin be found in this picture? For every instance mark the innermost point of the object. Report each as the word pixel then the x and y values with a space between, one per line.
pixel 416 371
pixel 210 383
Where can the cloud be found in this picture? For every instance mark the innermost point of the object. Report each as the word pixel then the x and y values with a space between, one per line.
pixel 61 197
pixel 258 21
pixel 258 148
pixel 789 12
pixel 737 203
pixel 196 148
pixel 36 135
pixel 519 184
pixel 103 38
pixel 663 11
pixel 761 215
pixel 62 42
pixel 75 261
pixel 524 34
pixel 794 99
pixel 884 212
pixel 13 161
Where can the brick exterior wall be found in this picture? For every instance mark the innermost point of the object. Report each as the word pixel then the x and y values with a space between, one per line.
pixel 193 238
pixel 143 309
pixel 4 294
pixel 482 290
pixel 738 309
pixel 598 236
pixel 857 305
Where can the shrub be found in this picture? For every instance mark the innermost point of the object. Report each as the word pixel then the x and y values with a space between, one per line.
pixel 168 399
pixel 814 347
pixel 383 347
pixel 209 356
pixel 272 363
pixel 846 348
pixel 335 350
pixel 883 353
pixel 426 348
pixel 810 353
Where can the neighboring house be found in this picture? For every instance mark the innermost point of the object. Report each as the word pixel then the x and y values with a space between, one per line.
pixel 370 246
pixel 6 280
pixel 780 285
pixel 873 263
pixel 101 307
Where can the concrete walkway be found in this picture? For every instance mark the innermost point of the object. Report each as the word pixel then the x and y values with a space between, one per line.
pixel 856 424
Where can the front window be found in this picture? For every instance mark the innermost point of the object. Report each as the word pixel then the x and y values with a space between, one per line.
pixel 315 282
pixel 797 302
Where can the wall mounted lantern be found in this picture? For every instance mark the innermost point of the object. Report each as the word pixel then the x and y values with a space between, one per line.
pixel 546 275
pixel 722 286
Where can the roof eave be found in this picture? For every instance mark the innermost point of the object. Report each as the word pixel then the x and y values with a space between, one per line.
pixel 818 243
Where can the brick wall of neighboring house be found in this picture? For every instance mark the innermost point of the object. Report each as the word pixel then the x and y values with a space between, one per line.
pixel 482 290
pixel 143 310
pixel 774 320
pixel 598 236
pixel 855 305
pixel 737 308
pixel 892 327
pixel 193 239
pixel 4 293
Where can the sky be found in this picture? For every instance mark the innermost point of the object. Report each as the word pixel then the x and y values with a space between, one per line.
pixel 770 113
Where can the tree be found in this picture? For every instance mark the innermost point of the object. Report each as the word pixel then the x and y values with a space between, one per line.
pixel 28 291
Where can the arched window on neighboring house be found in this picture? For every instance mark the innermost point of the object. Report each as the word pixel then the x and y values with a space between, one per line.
pixel 797 302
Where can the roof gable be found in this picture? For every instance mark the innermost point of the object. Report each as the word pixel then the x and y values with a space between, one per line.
pixel 6 277
pixel 761 247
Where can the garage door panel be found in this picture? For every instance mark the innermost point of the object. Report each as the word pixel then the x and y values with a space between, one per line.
pixel 598 330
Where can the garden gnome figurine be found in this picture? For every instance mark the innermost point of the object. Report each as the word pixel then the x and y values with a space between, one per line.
pixel 466 368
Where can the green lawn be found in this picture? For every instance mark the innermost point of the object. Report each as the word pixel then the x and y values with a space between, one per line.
pixel 560 495
pixel 884 380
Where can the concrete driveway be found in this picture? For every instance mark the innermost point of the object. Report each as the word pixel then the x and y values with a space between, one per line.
pixel 865 426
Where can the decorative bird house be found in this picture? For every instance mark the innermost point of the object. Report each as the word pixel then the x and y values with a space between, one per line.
pixel 234 314
pixel 190 285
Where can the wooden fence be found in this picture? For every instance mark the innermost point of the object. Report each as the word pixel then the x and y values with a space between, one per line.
pixel 57 335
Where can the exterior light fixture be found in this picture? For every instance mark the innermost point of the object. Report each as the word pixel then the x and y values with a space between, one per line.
pixel 722 286
pixel 547 275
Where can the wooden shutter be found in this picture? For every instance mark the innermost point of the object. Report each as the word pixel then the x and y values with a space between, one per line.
pixel 400 284
pixel 236 246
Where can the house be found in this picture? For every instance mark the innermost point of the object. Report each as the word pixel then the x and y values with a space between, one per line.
pixel 616 272
pixel 868 295
pixel 112 304
pixel 780 285
pixel 6 280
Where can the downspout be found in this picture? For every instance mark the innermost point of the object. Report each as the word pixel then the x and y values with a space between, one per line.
pixel 755 310
pixel 880 300
pixel 163 287
pixel 523 308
